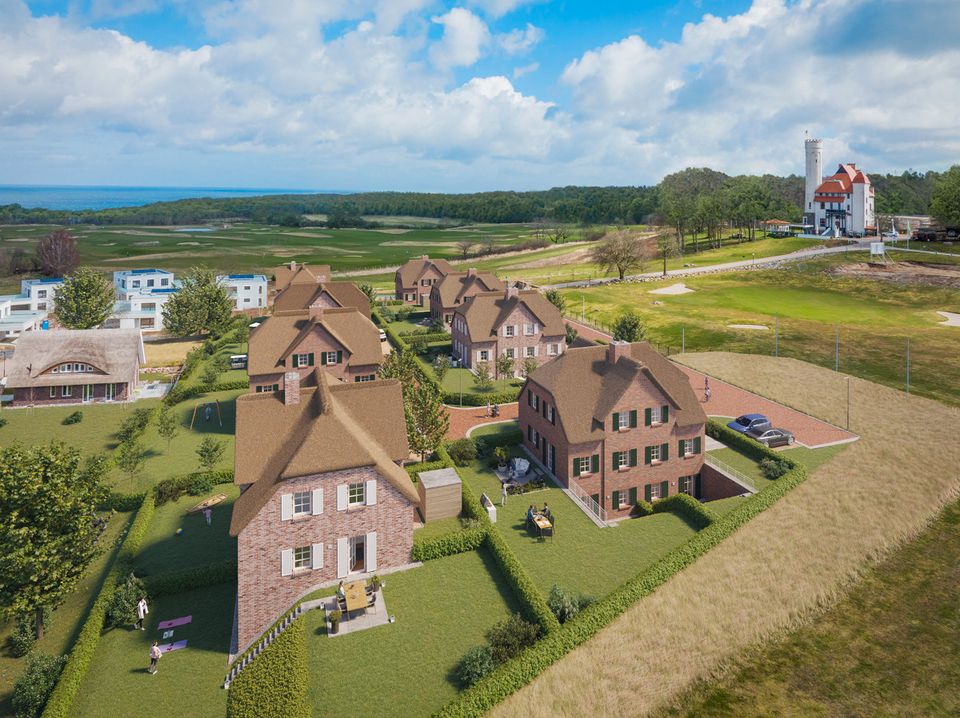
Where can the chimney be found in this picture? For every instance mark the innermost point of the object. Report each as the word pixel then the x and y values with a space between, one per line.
pixel 316 311
pixel 291 388
pixel 472 272
pixel 293 265
pixel 617 349
pixel 512 292
pixel 425 257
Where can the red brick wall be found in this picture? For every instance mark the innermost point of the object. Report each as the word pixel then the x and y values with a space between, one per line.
pixel 40 396
pixel 263 593
pixel 639 395
pixel 519 342
pixel 714 485
pixel 422 292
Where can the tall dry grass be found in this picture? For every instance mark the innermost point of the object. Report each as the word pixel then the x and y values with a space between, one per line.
pixel 770 575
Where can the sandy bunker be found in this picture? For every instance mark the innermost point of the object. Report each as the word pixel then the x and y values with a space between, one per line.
pixel 678 288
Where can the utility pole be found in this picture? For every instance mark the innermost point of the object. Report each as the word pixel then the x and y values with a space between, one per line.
pixel 848 403
pixel 582 305
pixel 908 366
pixel 836 351
pixel 683 340
pixel 776 337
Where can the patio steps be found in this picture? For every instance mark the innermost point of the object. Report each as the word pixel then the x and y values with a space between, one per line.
pixel 267 639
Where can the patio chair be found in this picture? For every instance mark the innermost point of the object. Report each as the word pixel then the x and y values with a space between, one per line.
pixel 373 603
pixel 368 589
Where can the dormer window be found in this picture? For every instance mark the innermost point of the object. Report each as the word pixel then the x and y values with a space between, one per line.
pixel 72 369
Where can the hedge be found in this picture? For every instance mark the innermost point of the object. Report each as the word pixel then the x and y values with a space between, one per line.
pixel 426 337
pixel 275 684
pixel 395 339
pixel 686 507
pixel 414 469
pixel 459 541
pixel 739 442
pixel 191 578
pixel 176 486
pixel 61 700
pixel 181 393
pixel 452 398
pixel 122 502
pixel 519 671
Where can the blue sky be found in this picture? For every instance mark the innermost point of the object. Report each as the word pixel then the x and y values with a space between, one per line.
pixel 471 95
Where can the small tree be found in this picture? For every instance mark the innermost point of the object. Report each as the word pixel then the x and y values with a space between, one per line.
pixel 167 425
pixel 200 305
pixel 441 365
pixel 57 253
pixel 556 299
pixel 400 364
pixel 529 366
pixel 437 325
pixel 482 379
pixel 209 452
pixel 123 604
pixel 48 529
pixel 130 457
pixel 210 374
pixel 571 334
pixel 464 246
pixel 505 366
pixel 32 689
pixel 369 290
pixel 427 420
pixel 621 251
pixel 84 300
pixel 945 201
pixel 629 327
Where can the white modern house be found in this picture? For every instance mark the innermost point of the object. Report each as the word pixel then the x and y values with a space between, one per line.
pixel 841 204
pixel 28 310
pixel 128 282
pixel 246 291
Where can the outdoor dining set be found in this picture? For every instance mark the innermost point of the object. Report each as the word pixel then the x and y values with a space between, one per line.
pixel 358 596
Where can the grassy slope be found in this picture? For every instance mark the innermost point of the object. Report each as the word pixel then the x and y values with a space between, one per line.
pixel 890 648
pixel 404 669
pixel 784 563
pixel 189 682
pixel 66 620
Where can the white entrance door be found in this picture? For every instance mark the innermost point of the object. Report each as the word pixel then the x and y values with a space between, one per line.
pixel 358 545
pixel 108 392
pixel 88 392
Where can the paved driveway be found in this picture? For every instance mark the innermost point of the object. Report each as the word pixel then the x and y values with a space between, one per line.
pixel 729 400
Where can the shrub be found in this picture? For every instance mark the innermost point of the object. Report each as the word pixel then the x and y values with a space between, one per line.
pixel 475 664
pixel 134 425
pixel 628 327
pixel 482 378
pixel 275 684
pixel 462 451
pixel 200 484
pixel 643 508
pixel 523 586
pixel 33 688
pixel 74 418
pixel 122 609
pixel 566 605
pixel 483 447
pixel 23 637
pixel 415 469
pixel 461 541
pixel 686 507
pixel 490 397
pixel 441 365
pixel 508 638
pixel 3 421
pixel 173 488
pixel 774 468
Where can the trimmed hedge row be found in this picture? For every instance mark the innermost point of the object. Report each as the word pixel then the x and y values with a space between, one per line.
pixel 391 333
pixel 449 544
pixel 452 398
pixel 181 393
pixel 191 578
pixel 514 674
pixel 274 685
pixel 122 502
pixel 527 593
pixel 414 469
pixel 176 486
pixel 686 507
pixel 426 337
pixel 61 700
pixel 740 442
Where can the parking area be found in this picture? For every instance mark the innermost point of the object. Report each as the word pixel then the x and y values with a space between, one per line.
pixel 729 400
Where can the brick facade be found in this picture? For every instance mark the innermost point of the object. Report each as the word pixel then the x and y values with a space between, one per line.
pixel 264 593
pixel 40 395
pixel 546 439
pixel 418 293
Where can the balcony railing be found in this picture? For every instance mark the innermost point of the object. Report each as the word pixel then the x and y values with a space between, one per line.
pixel 725 468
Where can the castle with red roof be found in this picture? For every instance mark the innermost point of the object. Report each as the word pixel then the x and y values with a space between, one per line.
pixel 841 204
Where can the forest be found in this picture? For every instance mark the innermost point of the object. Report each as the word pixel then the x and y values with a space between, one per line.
pixel 695 198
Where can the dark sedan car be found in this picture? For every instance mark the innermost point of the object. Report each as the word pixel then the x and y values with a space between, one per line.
pixel 745 423
pixel 771 437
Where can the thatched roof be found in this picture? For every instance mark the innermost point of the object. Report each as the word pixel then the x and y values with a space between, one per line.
pixel 115 356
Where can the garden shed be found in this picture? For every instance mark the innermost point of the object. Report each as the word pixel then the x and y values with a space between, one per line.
pixel 440 494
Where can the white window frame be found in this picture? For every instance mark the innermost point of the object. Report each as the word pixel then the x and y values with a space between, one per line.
pixel 553 349
pixel 654 491
pixel 623 460
pixel 355 490
pixel 530 352
pixel 302 503
pixel 302 558
pixel 687 447
pixel 300 360
pixel 66 391
pixel 655 454
pixel 53 392
pixel 331 357
pixel 509 352
pixel 509 330
pixel 483 355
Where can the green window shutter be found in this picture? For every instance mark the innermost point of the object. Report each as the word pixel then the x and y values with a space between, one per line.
pixel 664 452
pixel 615 464
pixel 595 463
pixel 323 358
pixel 310 359
pixel 596 498
pixel 646 455
pixel 647 416
pixel 647 493
pixel 339 357
pixel 576 467
pixel 633 496
pixel 680 448
pixel 633 418
pixel 664 414
pixel 696 486
pixel 615 504
pixel 633 457
pixel 696 445
pixel 616 420
pixel 664 489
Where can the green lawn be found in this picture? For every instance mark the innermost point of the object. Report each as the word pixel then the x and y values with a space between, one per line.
pixel 440 527
pixel 442 609
pixel 189 682
pixel 230 375
pixel 66 620
pixel 812 459
pixel 890 648
pixel 461 379
pixel 505 434
pixel 94 434
pixel 163 551
pixel 582 557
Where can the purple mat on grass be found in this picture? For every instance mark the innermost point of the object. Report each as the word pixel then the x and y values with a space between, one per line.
pixel 167 647
pixel 174 622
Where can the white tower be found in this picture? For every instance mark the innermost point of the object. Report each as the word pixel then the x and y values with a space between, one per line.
pixel 814 152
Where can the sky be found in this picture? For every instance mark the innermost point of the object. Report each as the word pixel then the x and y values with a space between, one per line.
pixel 432 95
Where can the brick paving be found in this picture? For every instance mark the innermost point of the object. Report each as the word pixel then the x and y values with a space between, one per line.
pixel 462 420
pixel 729 400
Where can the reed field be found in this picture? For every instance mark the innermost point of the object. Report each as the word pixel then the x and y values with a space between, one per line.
pixel 786 565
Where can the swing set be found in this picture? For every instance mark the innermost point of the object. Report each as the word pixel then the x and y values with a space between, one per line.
pixel 207 411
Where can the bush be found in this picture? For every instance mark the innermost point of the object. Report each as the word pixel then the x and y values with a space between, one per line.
pixel 523 586
pixel 460 541
pixel 643 508
pixel 686 507
pixel 122 609
pixel 275 684
pixel 74 418
pixel 33 688
pixel 774 468
pixel 122 502
pixel 566 605
pixel 453 398
pixel 482 445
pixel 24 636
pixel 475 664
pixel 462 451
pixel 134 425
pixel 508 638
pixel 200 484
pixel 173 488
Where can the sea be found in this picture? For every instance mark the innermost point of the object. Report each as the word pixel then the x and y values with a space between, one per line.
pixel 105 197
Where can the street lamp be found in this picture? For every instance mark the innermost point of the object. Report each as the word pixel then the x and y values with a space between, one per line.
pixel 848 403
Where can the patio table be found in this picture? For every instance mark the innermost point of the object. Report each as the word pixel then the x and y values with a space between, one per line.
pixel 355 596
pixel 542 522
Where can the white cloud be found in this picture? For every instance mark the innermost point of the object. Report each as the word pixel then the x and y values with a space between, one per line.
pixel 519 41
pixel 464 38
pixel 499 8
pixel 519 72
